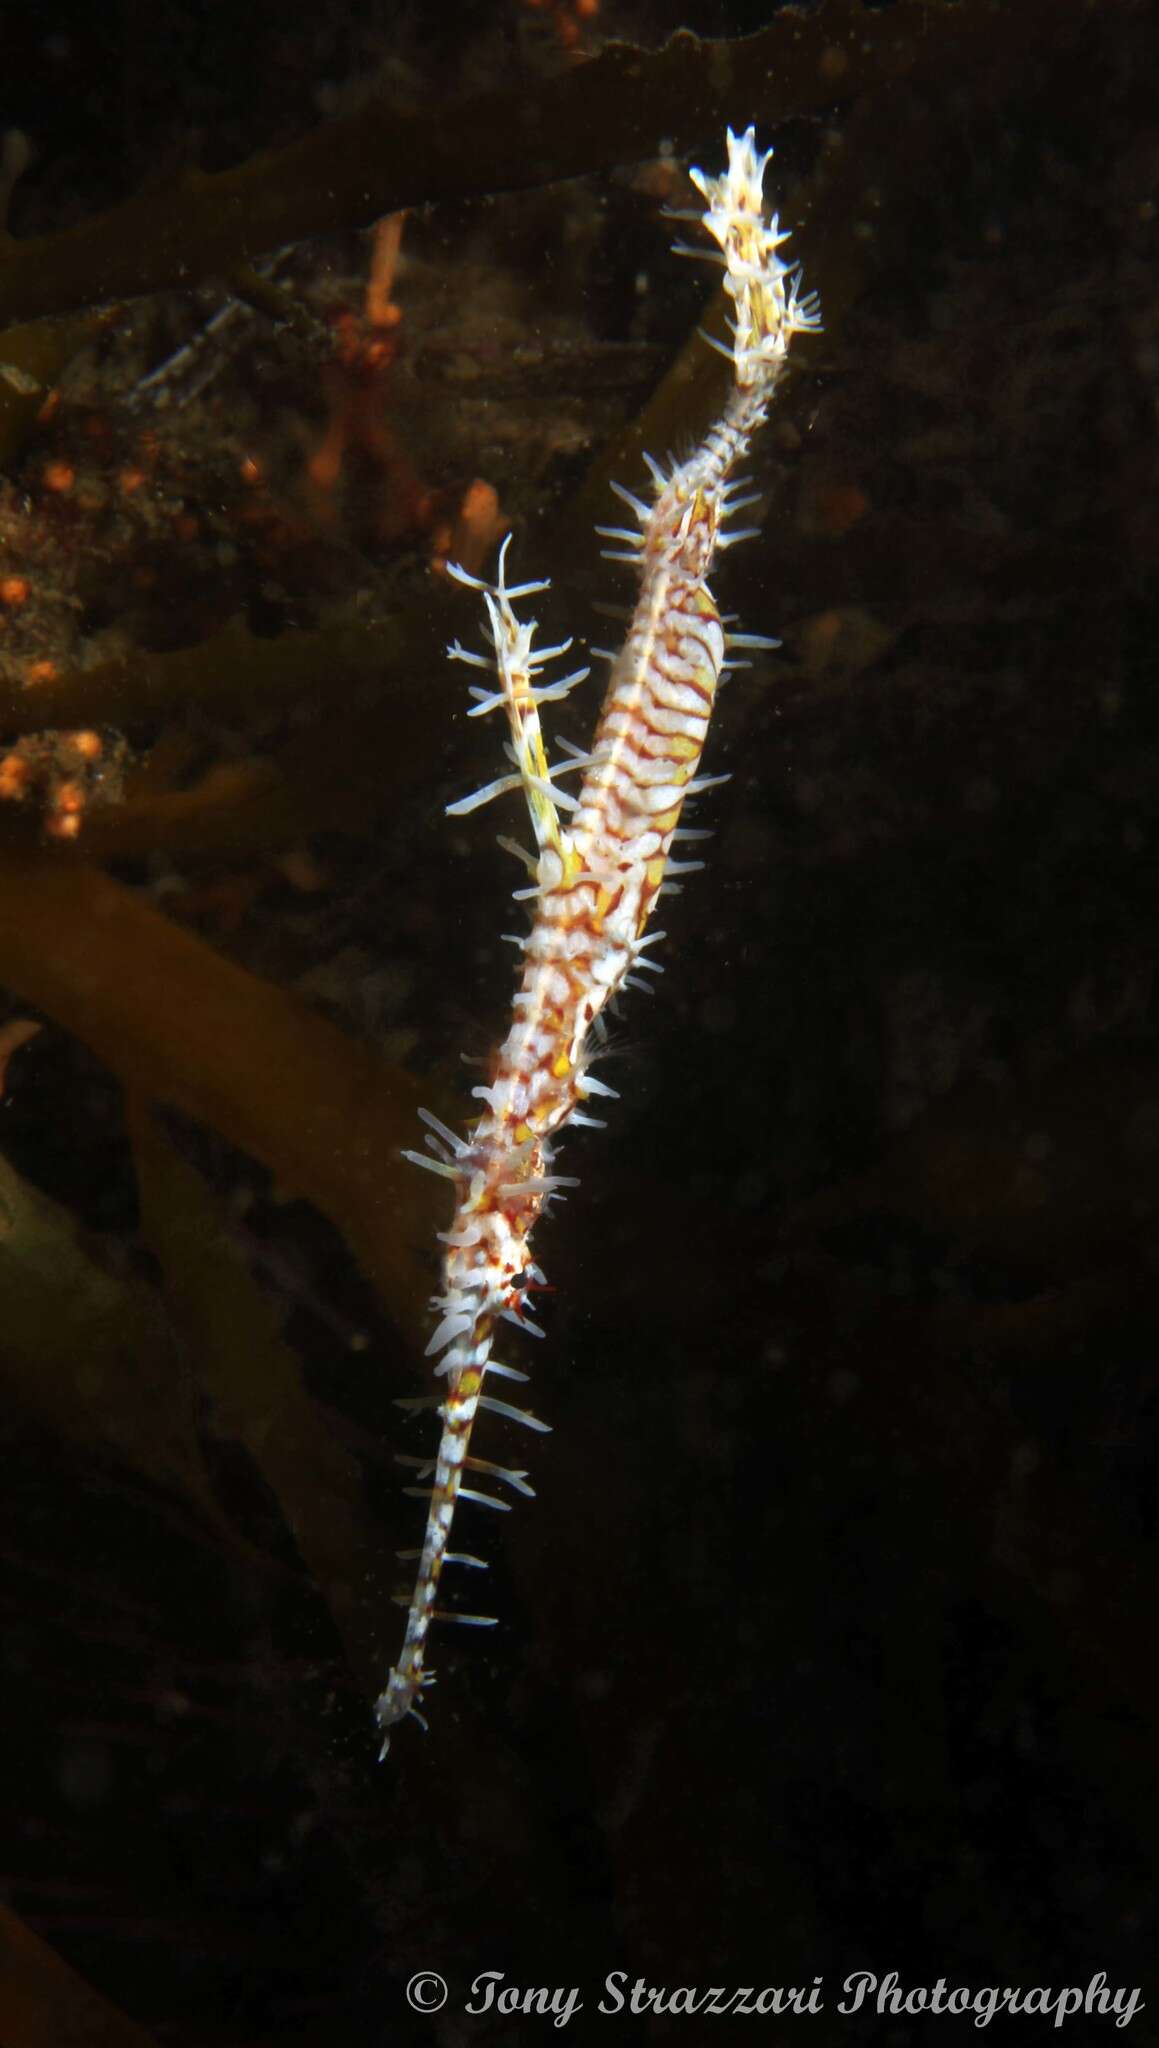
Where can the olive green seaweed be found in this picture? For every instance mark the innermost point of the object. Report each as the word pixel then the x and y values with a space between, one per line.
pixel 350 171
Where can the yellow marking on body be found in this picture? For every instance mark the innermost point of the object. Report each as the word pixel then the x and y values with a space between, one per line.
pixel 561 1066
pixel 683 748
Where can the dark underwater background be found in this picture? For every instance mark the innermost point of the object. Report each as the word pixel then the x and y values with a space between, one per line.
pixel 828 1644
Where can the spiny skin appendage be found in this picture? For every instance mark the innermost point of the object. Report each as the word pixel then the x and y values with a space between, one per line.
pixel 597 877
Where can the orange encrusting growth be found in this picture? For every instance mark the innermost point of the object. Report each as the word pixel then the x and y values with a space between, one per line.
pixel 595 879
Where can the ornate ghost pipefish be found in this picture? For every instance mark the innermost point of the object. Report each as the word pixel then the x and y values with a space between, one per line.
pixel 595 877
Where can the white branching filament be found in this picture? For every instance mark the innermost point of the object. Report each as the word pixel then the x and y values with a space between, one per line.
pixel 596 877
